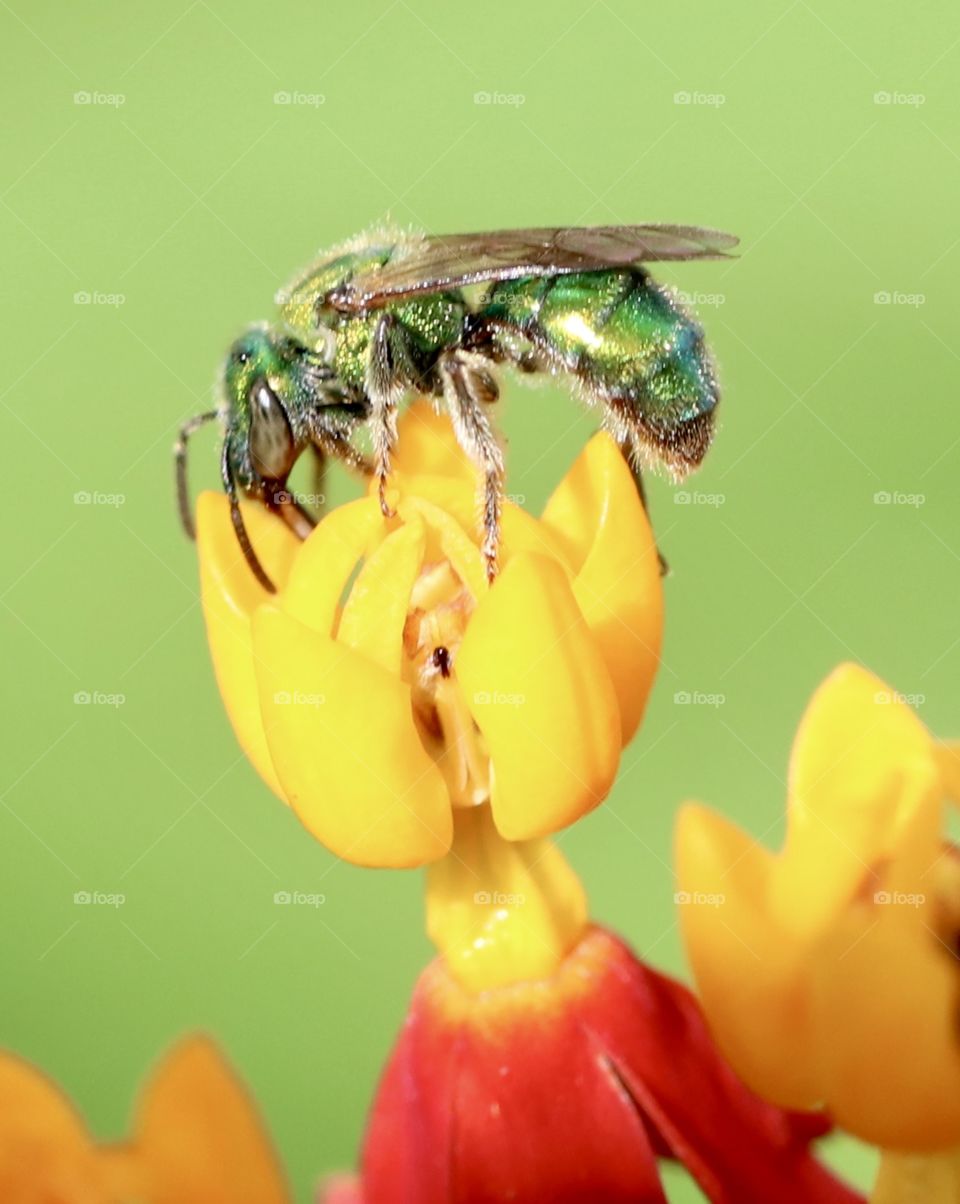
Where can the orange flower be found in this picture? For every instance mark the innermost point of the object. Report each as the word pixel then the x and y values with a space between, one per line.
pixel 197 1140
pixel 386 684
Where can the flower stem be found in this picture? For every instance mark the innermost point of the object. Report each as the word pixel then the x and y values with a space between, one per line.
pixel 502 912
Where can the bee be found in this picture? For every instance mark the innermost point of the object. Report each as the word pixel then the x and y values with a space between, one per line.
pixel 390 314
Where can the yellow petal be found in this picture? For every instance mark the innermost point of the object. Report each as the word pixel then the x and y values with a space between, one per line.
pixel 860 761
pixel 198 1137
pixel 427 444
pixel 343 739
pixel 538 689
pixel 376 610
pixel 889 996
pixel 230 593
pixel 753 981
pixel 597 512
pixel 326 560
pixel 948 758
pixel 45 1152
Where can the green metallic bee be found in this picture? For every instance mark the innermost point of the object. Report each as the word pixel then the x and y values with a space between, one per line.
pixel 394 313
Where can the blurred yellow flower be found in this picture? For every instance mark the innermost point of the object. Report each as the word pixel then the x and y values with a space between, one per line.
pixel 828 971
pixel 197 1140
pixel 387 684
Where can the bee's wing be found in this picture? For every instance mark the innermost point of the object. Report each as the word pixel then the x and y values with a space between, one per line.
pixel 453 260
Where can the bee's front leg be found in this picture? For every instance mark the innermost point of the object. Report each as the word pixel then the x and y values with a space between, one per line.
pixel 389 372
pixel 468 387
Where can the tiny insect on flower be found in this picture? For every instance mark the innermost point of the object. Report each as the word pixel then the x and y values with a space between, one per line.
pixel 830 975
pixel 387 683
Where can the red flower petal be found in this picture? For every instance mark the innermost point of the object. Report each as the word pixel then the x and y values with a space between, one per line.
pixel 566 1091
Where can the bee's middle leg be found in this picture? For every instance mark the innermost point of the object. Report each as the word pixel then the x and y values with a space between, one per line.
pixel 468 387
pixel 389 371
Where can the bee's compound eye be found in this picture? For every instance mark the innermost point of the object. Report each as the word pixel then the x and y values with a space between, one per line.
pixel 240 356
pixel 272 447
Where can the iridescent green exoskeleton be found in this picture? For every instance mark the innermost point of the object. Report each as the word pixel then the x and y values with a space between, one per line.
pixel 390 314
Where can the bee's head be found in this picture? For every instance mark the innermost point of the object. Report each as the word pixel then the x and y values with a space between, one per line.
pixel 270 384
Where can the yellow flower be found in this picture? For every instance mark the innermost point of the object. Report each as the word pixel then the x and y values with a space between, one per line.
pixel 197 1140
pixel 386 684
pixel 829 970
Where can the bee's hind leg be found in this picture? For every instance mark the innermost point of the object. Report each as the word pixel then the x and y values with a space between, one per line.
pixel 629 445
pixel 468 387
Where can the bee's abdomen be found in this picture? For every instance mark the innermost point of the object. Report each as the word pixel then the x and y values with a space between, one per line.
pixel 627 341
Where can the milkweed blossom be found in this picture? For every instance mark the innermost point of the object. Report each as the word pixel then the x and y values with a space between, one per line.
pixel 830 974
pixel 385 685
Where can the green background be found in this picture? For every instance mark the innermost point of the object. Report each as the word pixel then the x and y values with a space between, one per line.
pixel 194 199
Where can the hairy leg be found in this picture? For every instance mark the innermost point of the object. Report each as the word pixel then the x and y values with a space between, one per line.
pixel 389 373
pixel 468 388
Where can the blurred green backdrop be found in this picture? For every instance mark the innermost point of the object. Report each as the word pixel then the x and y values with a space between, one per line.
pixel 156 191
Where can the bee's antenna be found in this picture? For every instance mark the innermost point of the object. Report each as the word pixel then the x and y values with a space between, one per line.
pixel 180 456
pixel 236 517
